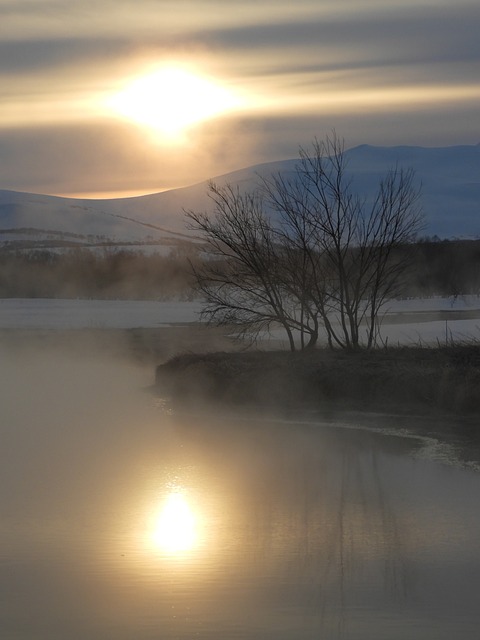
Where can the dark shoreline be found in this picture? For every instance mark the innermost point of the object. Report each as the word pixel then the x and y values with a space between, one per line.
pixel 203 368
pixel 438 384
pixel 429 391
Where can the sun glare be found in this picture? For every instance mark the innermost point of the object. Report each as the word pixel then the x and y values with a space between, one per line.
pixel 171 100
pixel 175 529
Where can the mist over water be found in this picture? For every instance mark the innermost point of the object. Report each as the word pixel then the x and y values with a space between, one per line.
pixel 121 520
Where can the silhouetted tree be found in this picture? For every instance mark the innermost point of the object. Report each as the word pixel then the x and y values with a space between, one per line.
pixel 305 251
pixel 243 280
pixel 348 242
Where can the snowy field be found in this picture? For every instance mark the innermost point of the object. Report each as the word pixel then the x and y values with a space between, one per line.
pixel 411 321
pixel 41 313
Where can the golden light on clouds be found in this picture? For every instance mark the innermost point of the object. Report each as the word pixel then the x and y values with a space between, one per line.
pixel 171 100
pixel 159 95
pixel 334 99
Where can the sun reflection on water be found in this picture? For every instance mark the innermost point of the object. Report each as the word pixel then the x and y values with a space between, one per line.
pixel 175 526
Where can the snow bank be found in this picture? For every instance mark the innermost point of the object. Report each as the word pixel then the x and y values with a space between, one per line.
pixel 39 313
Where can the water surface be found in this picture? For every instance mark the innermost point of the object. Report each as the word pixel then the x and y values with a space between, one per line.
pixel 120 520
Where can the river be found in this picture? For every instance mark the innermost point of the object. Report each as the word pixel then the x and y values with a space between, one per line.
pixel 121 520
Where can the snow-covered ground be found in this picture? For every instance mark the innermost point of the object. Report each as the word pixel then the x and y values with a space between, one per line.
pixel 427 329
pixel 415 305
pixel 39 313
pixel 431 332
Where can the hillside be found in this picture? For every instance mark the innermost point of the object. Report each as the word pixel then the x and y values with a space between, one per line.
pixel 450 179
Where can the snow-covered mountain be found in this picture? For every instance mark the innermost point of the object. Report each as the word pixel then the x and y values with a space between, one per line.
pixel 450 179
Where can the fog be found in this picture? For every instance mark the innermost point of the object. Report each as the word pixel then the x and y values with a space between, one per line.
pixel 54 405
pixel 282 529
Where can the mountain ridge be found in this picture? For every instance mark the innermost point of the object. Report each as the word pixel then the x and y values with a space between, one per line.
pixel 450 178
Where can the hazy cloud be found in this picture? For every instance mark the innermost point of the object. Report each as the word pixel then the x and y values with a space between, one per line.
pixel 96 157
pixel 417 36
pixel 379 72
pixel 37 55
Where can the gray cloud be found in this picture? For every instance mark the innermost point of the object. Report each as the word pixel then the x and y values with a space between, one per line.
pixel 30 7
pixel 116 157
pixel 37 55
pixel 90 157
pixel 306 48
pixel 105 156
pixel 417 35
pixel 409 35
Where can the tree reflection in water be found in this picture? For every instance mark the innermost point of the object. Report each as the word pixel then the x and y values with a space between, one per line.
pixel 312 519
pixel 303 531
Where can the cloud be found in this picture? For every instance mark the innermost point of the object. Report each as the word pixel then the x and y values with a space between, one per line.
pixel 377 72
pixel 25 56
pixel 358 32
pixel 75 158
pixel 388 37
pixel 117 157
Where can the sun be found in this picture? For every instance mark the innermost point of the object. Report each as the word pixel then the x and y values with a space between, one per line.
pixel 171 100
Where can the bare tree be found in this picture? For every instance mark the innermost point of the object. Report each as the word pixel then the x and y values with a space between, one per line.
pixel 350 245
pixel 306 252
pixel 243 280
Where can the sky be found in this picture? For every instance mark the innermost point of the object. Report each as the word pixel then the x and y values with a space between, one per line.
pixel 105 98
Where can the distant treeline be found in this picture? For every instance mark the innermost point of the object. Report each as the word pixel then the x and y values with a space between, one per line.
pixel 103 274
pixel 445 267
pixel 440 267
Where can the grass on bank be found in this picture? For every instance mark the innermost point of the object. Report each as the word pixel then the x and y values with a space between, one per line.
pixel 402 379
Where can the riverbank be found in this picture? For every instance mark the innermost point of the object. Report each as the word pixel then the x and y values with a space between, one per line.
pixel 404 380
